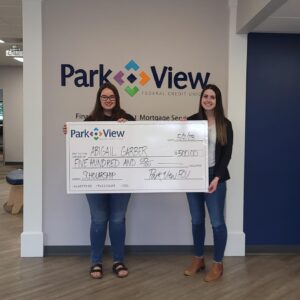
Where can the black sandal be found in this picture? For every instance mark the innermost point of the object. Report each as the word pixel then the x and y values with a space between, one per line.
pixel 118 267
pixel 97 268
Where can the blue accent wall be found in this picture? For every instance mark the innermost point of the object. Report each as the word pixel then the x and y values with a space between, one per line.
pixel 272 155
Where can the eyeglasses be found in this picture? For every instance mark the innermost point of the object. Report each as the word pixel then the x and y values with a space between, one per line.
pixel 106 98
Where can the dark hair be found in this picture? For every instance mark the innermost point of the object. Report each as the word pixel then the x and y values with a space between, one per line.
pixel 218 112
pixel 117 112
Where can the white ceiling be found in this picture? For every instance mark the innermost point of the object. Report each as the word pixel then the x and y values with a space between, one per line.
pixel 285 20
pixel 10 29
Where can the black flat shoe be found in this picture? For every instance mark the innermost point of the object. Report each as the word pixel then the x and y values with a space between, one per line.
pixel 118 267
pixel 96 269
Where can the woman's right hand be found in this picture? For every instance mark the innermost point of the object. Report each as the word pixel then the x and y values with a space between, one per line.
pixel 213 185
pixel 65 131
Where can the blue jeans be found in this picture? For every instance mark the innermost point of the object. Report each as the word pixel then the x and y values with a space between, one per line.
pixel 215 205
pixel 107 208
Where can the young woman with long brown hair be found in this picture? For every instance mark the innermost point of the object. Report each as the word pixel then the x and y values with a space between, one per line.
pixel 220 140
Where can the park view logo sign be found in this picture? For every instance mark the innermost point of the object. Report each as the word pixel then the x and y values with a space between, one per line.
pixel 97 133
pixel 132 78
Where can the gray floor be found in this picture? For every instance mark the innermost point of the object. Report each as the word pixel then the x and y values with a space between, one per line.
pixel 265 277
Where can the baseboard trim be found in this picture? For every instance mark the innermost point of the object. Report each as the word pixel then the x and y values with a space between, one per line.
pixel 272 249
pixel 169 250
pixel 235 244
pixel 32 244
pixel 135 250
pixel 13 163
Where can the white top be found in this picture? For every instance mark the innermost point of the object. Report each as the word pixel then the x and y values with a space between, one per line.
pixel 212 137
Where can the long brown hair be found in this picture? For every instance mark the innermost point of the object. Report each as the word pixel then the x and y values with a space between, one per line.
pixel 97 113
pixel 218 113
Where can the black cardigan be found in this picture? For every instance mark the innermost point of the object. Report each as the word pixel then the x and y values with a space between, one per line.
pixel 222 153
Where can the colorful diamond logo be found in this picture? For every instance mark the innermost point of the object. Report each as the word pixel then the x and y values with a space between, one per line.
pixel 142 78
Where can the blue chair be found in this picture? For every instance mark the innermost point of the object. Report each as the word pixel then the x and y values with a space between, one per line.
pixel 14 204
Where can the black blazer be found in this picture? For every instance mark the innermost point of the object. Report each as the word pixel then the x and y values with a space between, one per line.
pixel 222 153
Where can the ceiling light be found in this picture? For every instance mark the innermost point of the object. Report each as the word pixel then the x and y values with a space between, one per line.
pixel 2 42
pixel 14 51
pixel 19 59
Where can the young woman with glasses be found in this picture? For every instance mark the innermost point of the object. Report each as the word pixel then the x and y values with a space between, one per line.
pixel 108 210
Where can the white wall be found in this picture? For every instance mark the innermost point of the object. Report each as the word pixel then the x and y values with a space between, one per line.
pixel 32 242
pixel 193 36
pixel 189 36
pixel 236 113
pixel 11 81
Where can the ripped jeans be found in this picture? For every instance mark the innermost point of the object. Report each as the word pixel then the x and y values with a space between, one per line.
pixel 107 209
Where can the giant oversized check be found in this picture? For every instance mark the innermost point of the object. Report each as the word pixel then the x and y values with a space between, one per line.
pixel 136 157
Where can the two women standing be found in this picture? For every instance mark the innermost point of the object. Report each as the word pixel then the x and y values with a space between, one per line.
pixel 109 210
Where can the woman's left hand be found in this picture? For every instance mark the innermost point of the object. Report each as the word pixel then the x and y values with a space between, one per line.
pixel 213 185
pixel 122 120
